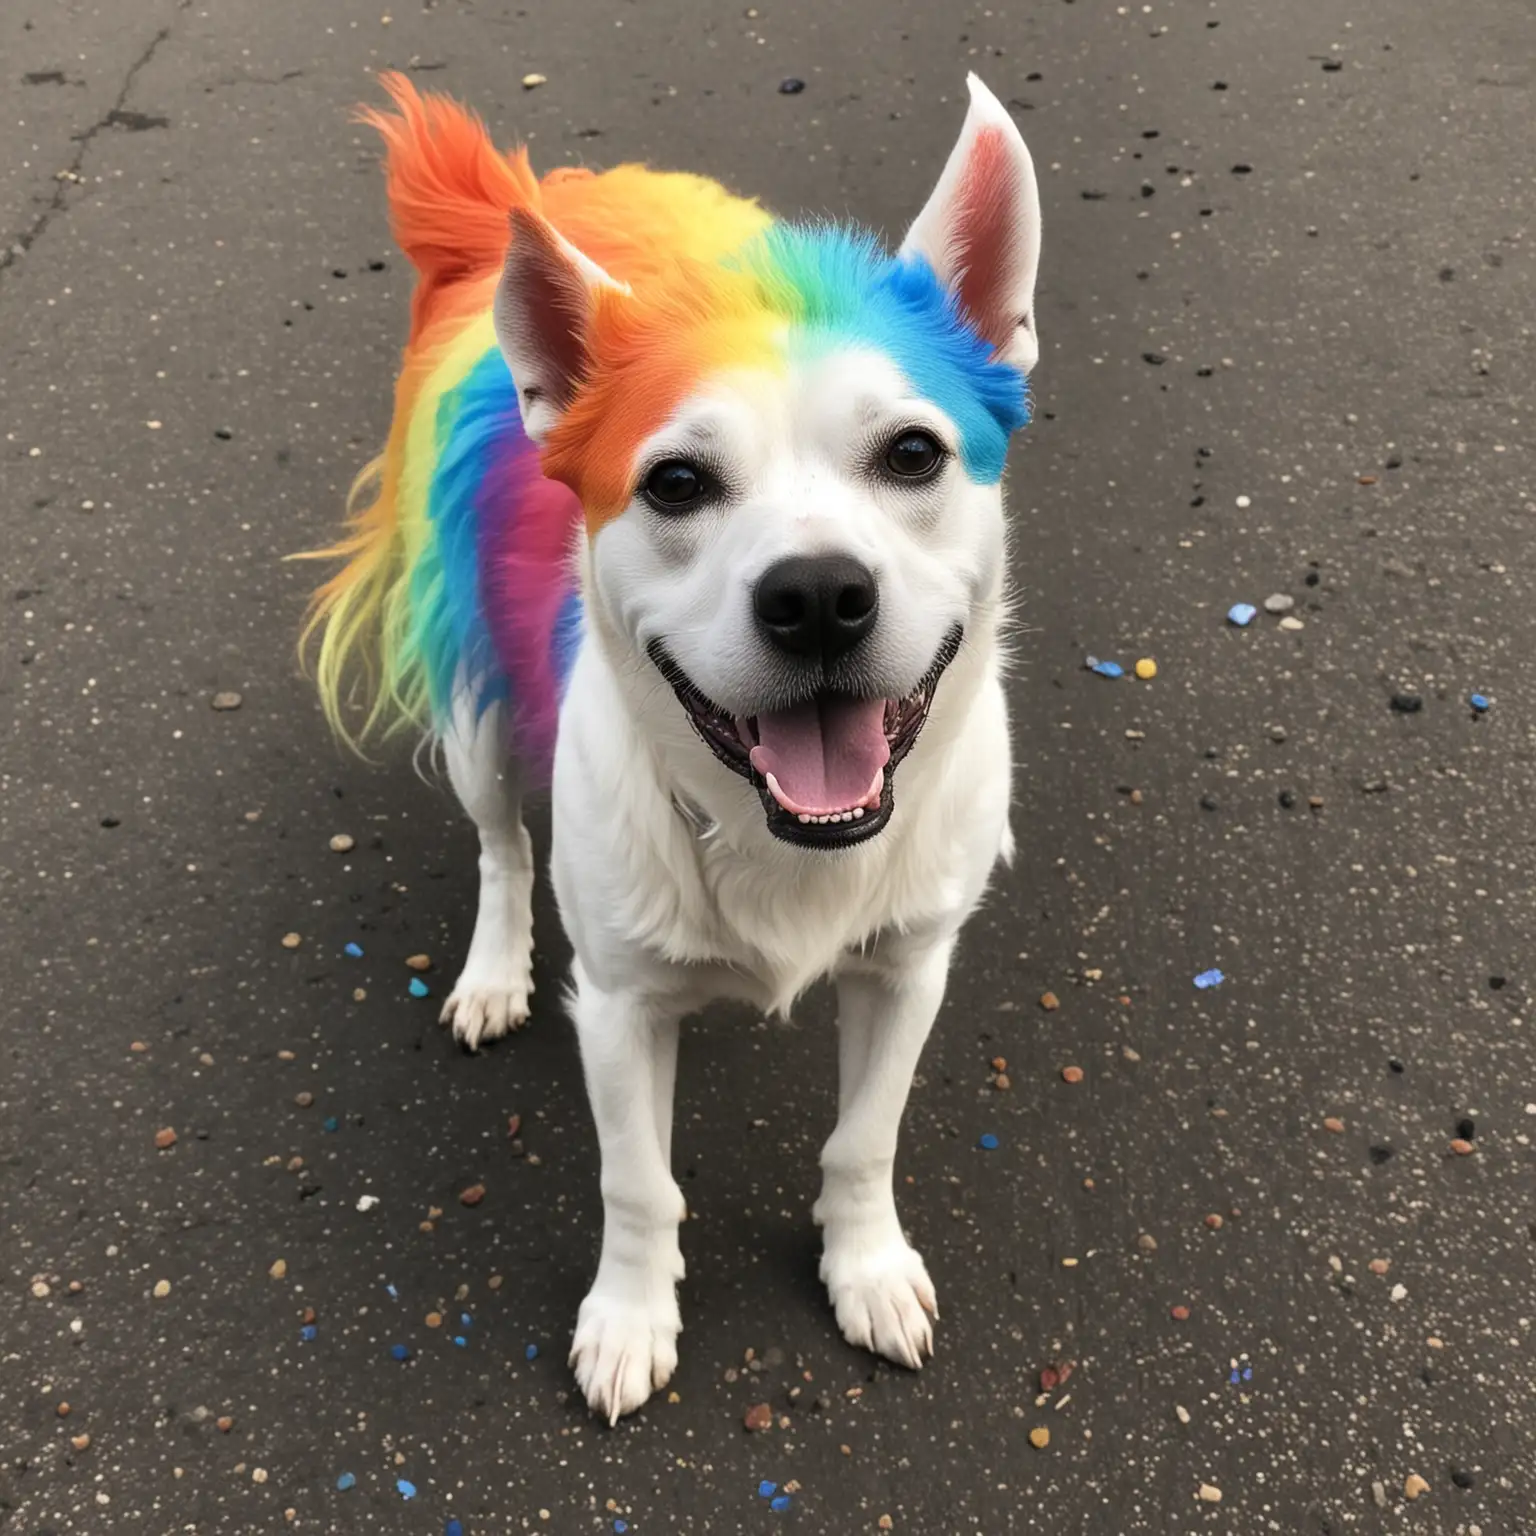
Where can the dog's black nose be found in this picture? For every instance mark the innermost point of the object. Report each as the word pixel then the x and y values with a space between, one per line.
pixel 816 605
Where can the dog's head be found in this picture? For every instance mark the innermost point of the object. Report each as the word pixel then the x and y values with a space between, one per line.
pixel 790 463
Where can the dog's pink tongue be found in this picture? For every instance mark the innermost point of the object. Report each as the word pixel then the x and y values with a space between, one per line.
pixel 824 756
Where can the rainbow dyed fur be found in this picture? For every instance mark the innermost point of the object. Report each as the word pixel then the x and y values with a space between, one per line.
pixel 697 518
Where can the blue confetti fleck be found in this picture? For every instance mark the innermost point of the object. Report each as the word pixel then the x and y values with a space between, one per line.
pixel 407 1489
pixel 1241 614
pixel 355 950
pixel 466 1320
pixel 418 987
pixel 309 1333
pixel 400 1352
pixel 531 1353
pixel 345 1481
pixel 1207 979
pixel 332 1123
pixel 453 1528
pixel 780 1504
pixel 461 1341
pixel 621 1526
pixel 988 1142
pixel 1479 702
pixel 766 1490
pixel 394 1295
pixel 1106 668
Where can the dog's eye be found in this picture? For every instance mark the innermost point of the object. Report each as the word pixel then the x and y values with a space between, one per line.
pixel 673 486
pixel 914 456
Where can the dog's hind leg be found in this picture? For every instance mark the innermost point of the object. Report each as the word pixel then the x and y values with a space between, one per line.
pixel 490 997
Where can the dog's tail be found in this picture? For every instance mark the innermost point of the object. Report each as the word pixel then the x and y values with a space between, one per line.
pixel 450 194
pixel 450 189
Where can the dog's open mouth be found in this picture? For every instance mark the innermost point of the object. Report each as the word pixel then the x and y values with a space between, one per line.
pixel 823 767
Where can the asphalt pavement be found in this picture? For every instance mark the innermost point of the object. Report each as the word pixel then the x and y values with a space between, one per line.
pixel 1275 1249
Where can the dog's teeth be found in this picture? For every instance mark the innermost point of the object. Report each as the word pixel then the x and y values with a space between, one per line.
pixel 858 812
pixel 804 817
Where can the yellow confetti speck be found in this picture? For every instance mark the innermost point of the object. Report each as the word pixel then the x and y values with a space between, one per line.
pixel 1146 669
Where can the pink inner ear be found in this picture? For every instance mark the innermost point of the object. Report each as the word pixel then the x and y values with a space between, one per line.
pixel 547 304
pixel 984 224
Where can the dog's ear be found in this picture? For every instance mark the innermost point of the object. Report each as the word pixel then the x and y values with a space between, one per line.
pixel 980 230
pixel 543 311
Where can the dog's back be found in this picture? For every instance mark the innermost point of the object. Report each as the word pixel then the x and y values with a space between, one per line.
pixel 458 555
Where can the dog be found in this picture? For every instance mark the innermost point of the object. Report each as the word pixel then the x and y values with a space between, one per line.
pixel 697 516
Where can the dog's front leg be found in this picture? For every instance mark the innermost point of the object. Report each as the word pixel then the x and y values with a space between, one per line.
pixel 876 1279
pixel 626 1334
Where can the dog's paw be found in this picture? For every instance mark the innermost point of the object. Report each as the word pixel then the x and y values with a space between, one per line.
pixel 624 1349
pixel 883 1298
pixel 488 1002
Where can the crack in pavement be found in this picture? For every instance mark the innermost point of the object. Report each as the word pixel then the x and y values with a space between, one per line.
pixel 57 204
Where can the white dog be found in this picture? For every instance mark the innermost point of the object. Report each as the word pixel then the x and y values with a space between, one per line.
pixel 707 509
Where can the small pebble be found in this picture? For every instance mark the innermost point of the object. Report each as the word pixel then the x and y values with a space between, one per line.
pixel 791 86
pixel 224 1424
pixel 1379 1495
pixel 1182 1412
pixel 1146 669
pixel 229 699
pixel 1379 1266
pixel 1071 1074
pixel 532 82
pixel 1461 1147
pixel 1414 1485
pixel 1241 614
pixel 1291 622
pixel 1214 1222
pixel 1279 602
pixel 1334 1125
pixel 1050 1002
pixel 80 1442
pixel 1407 703
pixel 162 1289
pixel 1210 1493
pixel 1040 1438
pixel 473 1195
pixel 342 843
pixel 1147 1243
pixel 1179 1313
pixel 367 1202
pixel 291 941
pixel 1002 1082
pixel 304 1099
pixel 759 1416
pixel 165 1138
pixel 279 1269
pixel 62 1410
pixel 418 962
